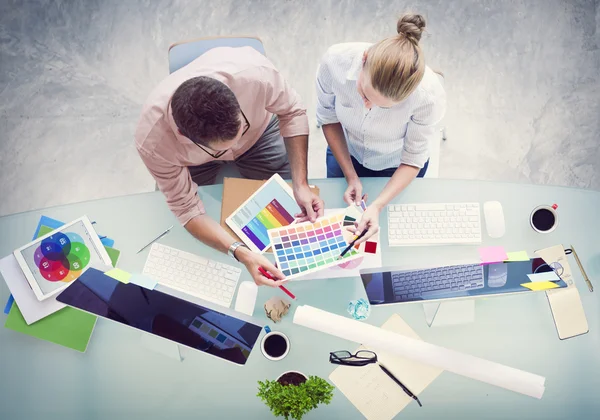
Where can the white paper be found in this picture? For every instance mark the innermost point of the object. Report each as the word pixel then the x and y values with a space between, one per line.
pixel 32 309
pixel 430 310
pixel 565 303
pixel 422 352
pixel 457 312
pixel 350 268
pixel 372 392
pixel 548 276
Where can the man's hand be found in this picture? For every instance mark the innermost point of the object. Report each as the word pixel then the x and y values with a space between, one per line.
pixel 353 193
pixel 252 260
pixel 369 221
pixel 310 204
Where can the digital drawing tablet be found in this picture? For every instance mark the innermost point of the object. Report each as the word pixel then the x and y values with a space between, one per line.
pixel 152 311
pixel 272 206
pixel 53 261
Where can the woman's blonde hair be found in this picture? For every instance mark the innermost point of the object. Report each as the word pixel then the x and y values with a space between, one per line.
pixel 396 65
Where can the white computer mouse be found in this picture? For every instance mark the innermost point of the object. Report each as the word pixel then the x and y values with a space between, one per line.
pixel 246 297
pixel 494 219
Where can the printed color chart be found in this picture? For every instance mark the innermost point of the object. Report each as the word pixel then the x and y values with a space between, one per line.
pixel 271 207
pixel 307 247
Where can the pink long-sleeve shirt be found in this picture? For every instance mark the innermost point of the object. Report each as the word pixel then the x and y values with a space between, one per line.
pixel 261 92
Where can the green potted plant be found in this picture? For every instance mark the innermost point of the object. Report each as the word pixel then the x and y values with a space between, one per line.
pixel 293 395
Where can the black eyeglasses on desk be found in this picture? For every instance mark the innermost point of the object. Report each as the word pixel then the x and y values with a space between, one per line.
pixel 363 358
pixel 222 152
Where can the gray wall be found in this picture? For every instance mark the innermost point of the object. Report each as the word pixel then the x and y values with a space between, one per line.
pixel 522 79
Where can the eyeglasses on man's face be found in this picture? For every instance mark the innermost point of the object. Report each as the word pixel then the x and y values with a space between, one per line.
pixel 218 154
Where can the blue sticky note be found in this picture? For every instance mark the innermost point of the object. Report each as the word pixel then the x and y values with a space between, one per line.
pixel 142 280
pixel 549 276
pixel 11 299
pixel 107 242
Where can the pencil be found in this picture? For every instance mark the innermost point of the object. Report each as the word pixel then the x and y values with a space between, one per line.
pixel 585 277
pixel 155 239
pixel 349 247
pixel 267 275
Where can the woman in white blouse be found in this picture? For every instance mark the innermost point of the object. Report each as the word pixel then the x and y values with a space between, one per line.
pixel 378 105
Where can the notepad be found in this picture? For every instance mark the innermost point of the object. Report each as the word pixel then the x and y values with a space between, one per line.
pixel 372 392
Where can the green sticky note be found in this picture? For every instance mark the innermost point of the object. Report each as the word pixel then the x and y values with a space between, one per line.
pixel 44 230
pixel 68 327
pixel 517 256
pixel 118 274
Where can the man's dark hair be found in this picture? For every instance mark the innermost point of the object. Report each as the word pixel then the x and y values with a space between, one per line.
pixel 206 110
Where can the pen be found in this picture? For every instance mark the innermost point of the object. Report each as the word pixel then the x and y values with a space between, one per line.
pixel 155 239
pixel 267 275
pixel 585 277
pixel 349 247
pixel 400 384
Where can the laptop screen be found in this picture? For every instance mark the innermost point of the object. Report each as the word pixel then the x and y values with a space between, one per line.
pixel 396 285
pixel 164 315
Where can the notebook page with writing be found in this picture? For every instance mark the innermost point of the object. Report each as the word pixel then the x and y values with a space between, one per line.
pixel 371 391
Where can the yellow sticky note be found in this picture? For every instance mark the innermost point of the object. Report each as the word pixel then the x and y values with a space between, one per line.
pixel 118 274
pixel 540 285
pixel 517 256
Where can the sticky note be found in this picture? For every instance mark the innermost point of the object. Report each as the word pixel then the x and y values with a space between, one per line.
pixel 371 247
pixel 11 299
pixel 142 280
pixel 540 285
pixel 517 256
pixel 492 254
pixel 118 274
pixel 539 277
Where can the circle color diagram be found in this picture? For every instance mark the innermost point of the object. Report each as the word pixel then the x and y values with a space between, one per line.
pixel 62 257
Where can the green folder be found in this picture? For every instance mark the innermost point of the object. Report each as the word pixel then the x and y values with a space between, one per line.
pixel 68 327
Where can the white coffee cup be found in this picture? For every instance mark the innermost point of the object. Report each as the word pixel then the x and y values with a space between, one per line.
pixel 544 219
pixel 264 340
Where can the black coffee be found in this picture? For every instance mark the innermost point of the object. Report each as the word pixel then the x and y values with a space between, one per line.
pixel 543 219
pixel 275 345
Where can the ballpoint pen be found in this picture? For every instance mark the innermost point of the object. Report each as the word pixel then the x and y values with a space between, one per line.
pixel 267 275
pixel 155 239
pixel 400 384
pixel 585 277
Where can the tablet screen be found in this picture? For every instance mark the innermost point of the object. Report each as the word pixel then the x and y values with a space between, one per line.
pixel 62 257
pixel 164 315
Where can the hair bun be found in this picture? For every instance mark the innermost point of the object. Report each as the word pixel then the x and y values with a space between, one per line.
pixel 411 26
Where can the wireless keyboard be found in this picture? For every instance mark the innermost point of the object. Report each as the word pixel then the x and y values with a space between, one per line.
pixel 434 282
pixel 434 224
pixel 197 276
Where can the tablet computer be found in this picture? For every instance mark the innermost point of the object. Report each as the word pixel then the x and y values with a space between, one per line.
pixel 53 261
pixel 272 206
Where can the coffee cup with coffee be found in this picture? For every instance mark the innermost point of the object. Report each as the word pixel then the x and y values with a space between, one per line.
pixel 544 219
pixel 275 345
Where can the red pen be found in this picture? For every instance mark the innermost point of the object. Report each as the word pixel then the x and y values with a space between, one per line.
pixel 267 275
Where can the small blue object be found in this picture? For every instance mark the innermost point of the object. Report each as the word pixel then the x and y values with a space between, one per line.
pixel 267 329
pixel 11 299
pixel 359 309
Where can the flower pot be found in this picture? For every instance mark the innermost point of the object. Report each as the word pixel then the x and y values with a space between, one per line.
pixel 292 377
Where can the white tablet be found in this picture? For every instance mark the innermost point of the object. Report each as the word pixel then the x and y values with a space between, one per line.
pixel 53 261
pixel 273 205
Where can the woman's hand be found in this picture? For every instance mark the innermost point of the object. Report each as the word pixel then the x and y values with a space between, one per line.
pixel 368 222
pixel 353 193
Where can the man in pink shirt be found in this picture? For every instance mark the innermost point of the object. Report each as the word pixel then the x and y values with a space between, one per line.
pixel 230 104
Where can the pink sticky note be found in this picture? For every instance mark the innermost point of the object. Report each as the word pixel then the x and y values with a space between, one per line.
pixel 492 254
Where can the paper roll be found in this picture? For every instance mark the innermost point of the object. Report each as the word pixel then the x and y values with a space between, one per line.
pixel 462 364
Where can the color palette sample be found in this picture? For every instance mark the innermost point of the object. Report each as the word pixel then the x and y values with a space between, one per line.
pixel 271 207
pixel 306 247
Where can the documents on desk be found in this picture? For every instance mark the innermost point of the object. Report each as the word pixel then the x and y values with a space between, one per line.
pixel 565 303
pixel 371 391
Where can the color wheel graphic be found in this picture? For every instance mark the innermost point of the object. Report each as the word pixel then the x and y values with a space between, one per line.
pixel 62 257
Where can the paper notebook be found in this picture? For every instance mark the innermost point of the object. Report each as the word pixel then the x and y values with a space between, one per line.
pixel 565 303
pixel 372 392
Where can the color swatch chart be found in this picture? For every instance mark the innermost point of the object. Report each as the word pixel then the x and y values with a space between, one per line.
pixel 307 247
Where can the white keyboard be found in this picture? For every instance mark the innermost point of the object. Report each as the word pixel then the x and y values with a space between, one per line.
pixel 197 276
pixel 434 224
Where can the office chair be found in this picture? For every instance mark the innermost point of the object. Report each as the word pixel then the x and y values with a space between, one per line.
pixel 183 53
